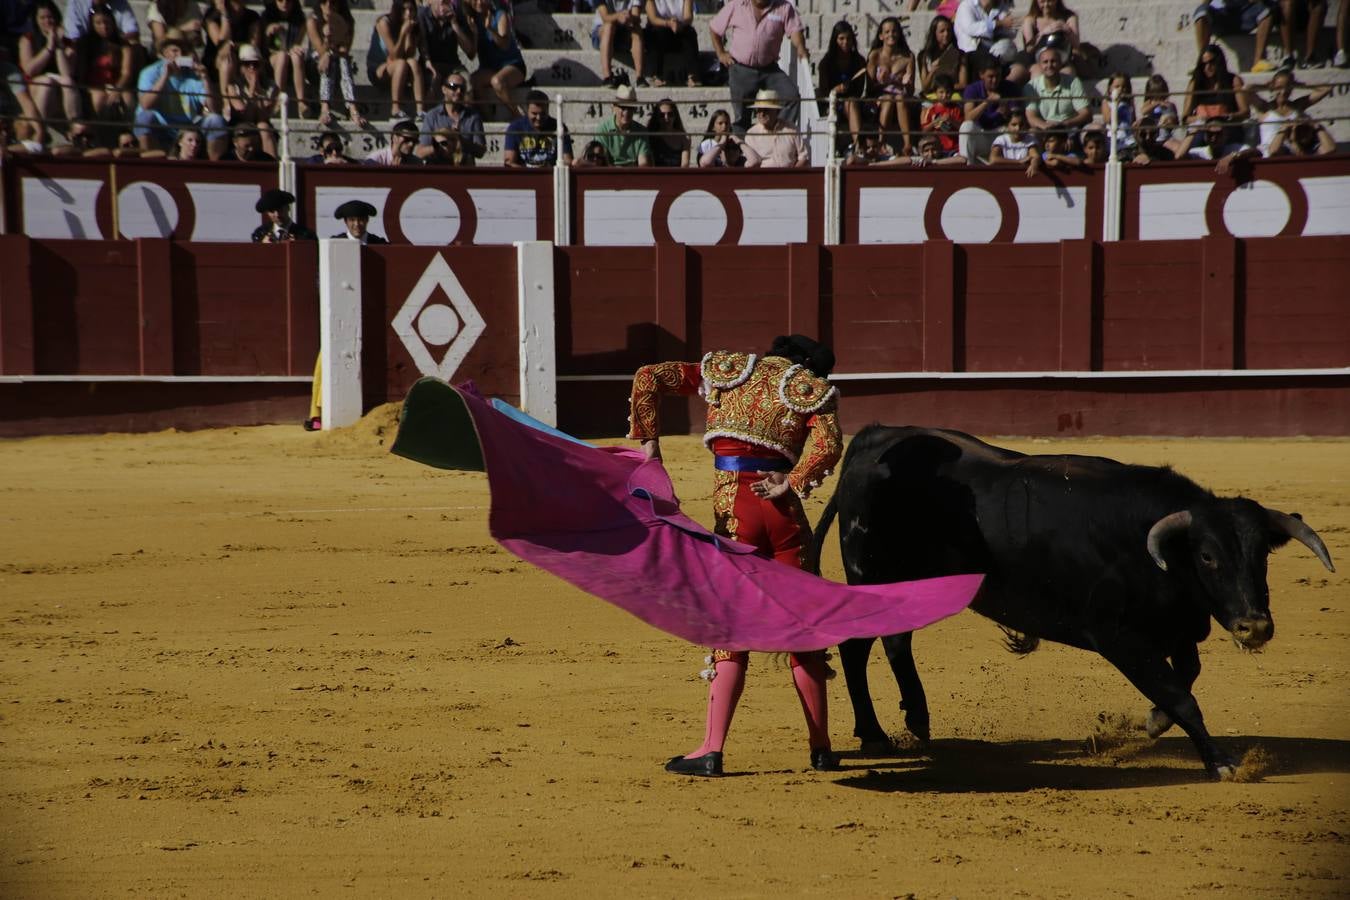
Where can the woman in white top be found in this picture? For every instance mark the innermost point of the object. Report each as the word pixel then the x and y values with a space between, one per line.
pixel 720 148
pixel 1282 107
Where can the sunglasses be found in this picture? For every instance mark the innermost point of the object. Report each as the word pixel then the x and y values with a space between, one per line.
pixel 453 86
pixel 442 143
pixel 250 62
pixel 331 149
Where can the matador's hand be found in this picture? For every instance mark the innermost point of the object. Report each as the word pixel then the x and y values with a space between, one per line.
pixel 774 485
pixel 651 448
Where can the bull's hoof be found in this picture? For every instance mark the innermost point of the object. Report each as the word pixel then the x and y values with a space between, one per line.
pixel 1158 723
pixel 918 728
pixel 1223 772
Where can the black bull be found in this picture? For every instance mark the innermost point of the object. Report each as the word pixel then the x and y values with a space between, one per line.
pixel 1128 561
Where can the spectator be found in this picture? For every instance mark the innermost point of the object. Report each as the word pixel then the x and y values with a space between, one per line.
pixel 674 43
pixel 356 216
pixel 1095 152
pixel 1302 137
pixel 842 75
pixel 175 92
pixel 127 144
pixel 1148 143
pixel 1307 16
pixel 1213 90
pixel 229 25
pixel 283 28
pixel 391 59
pixel 444 34
pixel 1124 104
pixel 1157 102
pixel 332 151
pixel 48 62
pixel 890 69
pixel 246 146
pixel 1283 107
pixel 871 149
pixel 447 149
pixel 11 143
pixel 930 154
pixel 757 31
pixel 251 100
pixel 624 140
pixel 1015 144
pixel 668 139
pixel 188 145
pixel 720 147
pixel 989 100
pixel 330 44
pixel 595 154
pixel 78 13
pixel 987 28
pixel 105 66
pixel 402 140
pixel 1216 145
pixel 457 115
pixel 1055 152
pixel 532 140
pixel 1216 18
pixel 184 15
pixel 941 56
pixel 1050 22
pixel 275 205
pixel 501 65
pixel 943 117
pixel 1054 101
pixel 771 143
pixel 15 101
pixel 614 21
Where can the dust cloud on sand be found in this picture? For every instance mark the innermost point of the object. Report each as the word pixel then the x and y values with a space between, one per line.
pixel 264 663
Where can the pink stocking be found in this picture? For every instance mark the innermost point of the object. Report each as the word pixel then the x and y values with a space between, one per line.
pixel 723 693
pixel 809 677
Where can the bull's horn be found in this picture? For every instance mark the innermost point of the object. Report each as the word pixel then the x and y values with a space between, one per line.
pixel 1297 529
pixel 1164 527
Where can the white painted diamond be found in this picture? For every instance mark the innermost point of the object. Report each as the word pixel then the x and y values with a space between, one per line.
pixel 438 274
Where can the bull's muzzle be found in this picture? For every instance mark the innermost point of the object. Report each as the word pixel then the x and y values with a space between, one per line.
pixel 1254 632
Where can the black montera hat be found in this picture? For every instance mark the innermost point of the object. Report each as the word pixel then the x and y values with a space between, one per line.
pixel 354 209
pixel 801 349
pixel 274 200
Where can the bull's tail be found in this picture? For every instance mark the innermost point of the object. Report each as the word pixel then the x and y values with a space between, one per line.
pixel 822 529
pixel 1019 643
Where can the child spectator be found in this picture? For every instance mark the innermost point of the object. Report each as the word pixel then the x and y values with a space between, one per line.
pixel 47 60
pixel 1095 151
pixel 669 141
pixel 841 75
pixel 941 56
pixel 532 140
pixel 1148 143
pixel 890 68
pixel 720 147
pixel 930 154
pixel 251 99
pixel 1125 112
pixel 1214 92
pixel 1283 107
pixel 1157 102
pixel 501 65
pixel 673 43
pixel 1015 144
pixel 229 25
pixel 870 150
pixel 1055 152
pixel 283 24
pixel 943 117
pixel 330 43
pixel 105 65
pixel 457 115
pixel 616 20
pixel 184 15
pixel 391 58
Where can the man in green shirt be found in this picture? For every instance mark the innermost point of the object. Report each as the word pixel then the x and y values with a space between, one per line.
pixel 1056 102
pixel 623 138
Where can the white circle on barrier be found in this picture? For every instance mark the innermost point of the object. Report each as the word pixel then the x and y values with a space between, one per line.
pixel 1258 209
pixel 438 324
pixel 146 210
pixel 697 217
pixel 429 217
pixel 971 216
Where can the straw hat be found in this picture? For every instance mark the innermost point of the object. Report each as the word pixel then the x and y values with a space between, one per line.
pixel 175 36
pixel 767 100
pixel 625 96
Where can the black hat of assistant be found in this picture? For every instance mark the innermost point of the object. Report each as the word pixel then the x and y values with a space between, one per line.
pixel 274 200
pixel 353 209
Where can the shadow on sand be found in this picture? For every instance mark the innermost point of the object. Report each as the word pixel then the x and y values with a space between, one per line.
pixel 967 766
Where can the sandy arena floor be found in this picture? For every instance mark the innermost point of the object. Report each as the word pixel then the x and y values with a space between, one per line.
pixel 264 663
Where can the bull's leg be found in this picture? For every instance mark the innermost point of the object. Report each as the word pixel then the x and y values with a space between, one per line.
pixel 900 651
pixel 853 655
pixel 1186 665
pixel 1157 681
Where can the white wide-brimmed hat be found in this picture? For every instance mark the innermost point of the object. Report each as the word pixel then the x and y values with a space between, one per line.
pixel 767 100
pixel 625 96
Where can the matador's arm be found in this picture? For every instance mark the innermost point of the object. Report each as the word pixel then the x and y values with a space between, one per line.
pixel 824 445
pixel 649 384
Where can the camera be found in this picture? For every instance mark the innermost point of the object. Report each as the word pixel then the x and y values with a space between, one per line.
pixel 186 63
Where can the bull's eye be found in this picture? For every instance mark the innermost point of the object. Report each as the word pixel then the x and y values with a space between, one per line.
pixel 1207 560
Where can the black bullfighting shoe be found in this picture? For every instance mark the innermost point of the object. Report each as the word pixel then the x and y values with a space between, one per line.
pixel 825 760
pixel 709 765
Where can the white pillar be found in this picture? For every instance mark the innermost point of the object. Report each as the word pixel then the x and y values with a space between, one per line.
pixel 1113 198
pixel 340 330
pixel 538 339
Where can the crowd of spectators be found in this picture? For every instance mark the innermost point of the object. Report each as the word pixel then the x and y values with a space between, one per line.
pixel 989 84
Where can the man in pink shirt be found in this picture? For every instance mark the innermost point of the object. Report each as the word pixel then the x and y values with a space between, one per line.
pixel 757 30
pixel 772 143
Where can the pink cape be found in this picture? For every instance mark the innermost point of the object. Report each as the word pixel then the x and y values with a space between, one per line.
pixel 607 520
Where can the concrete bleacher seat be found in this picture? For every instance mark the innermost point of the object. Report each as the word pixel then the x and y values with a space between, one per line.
pixel 1139 38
